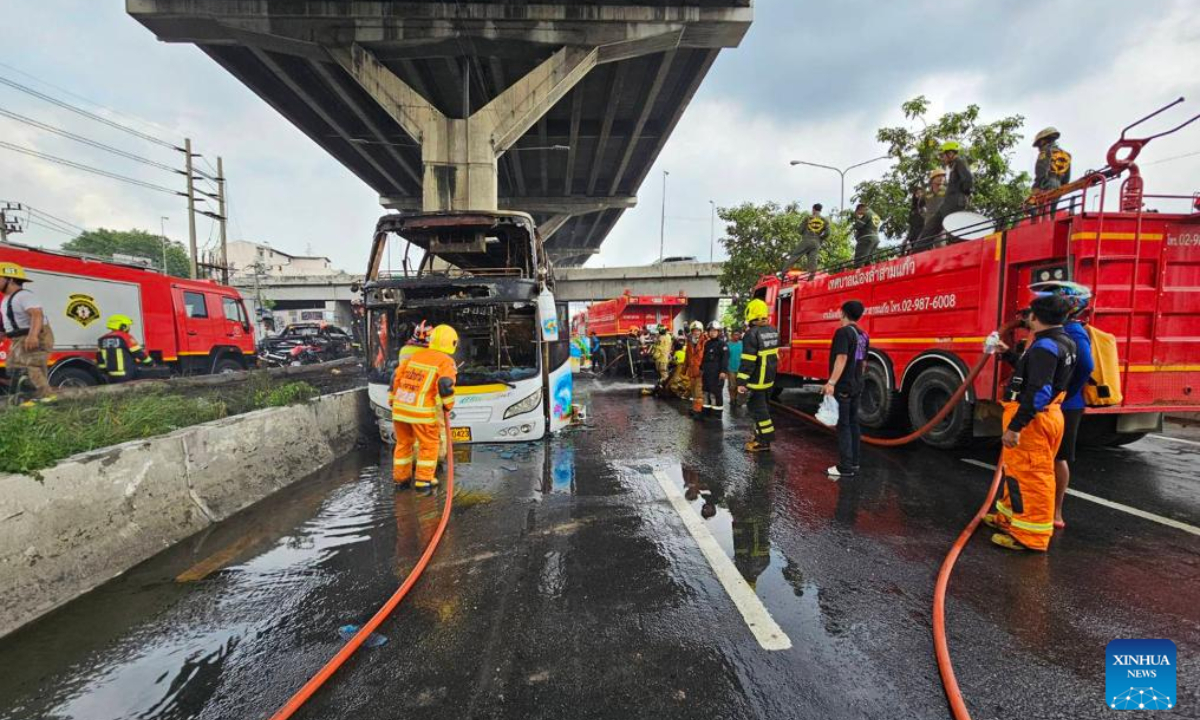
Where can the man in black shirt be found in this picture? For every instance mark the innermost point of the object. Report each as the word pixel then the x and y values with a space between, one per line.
pixel 847 356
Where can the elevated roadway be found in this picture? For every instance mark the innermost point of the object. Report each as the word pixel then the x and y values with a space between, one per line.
pixel 558 108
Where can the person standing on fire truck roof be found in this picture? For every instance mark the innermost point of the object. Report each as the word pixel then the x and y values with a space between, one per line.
pixel 1052 169
pixel 118 354
pixel 423 381
pixel 1033 432
pixel 960 183
pixel 24 323
pixel 866 234
pixel 756 375
pixel 814 231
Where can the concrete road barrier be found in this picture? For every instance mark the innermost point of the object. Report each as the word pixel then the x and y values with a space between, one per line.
pixel 95 515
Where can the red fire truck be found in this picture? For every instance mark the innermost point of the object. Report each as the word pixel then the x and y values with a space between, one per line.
pixel 928 313
pixel 613 318
pixel 193 327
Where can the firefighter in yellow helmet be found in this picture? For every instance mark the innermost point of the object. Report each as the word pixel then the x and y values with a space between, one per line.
pixel 423 385
pixel 960 183
pixel 119 355
pixel 25 325
pixel 756 374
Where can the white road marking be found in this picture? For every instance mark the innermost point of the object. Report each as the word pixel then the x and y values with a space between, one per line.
pixel 769 635
pixel 1110 504
pixel 1178 440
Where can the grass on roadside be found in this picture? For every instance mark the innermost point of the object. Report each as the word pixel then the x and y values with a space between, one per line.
pixel 35 438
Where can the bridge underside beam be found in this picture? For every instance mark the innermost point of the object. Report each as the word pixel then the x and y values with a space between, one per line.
pixel 449 105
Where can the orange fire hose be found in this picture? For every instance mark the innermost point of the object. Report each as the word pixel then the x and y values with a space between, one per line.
pixel 954 696
pixel 316 681
pixel 953 402
pixel 957 705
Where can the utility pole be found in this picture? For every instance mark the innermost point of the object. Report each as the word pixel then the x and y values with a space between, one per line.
pixel 224 219
pixel 191 196
pixel 9 226
pixel 662 226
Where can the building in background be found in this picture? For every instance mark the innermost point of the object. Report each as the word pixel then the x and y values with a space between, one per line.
pixel 244 256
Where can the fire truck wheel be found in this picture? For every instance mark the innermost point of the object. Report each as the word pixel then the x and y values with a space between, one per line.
pixel 880 404
pixel 72 377
pixel 929 393
pixel 227 365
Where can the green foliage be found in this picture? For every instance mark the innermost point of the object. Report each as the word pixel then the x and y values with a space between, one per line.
pixel 37 437
pixel 759 238
pixel 104 243
pixel 290 394
pixel 987 148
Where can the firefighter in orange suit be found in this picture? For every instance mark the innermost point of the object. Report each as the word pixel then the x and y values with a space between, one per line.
pixel 422 386
pixel 119 355
pixel 1033 422
pixel 693 355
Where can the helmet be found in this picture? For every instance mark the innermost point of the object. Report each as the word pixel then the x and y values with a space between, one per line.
pixel 444 339
pixel 715 325
pixel 119 322
pixel 756 310
pixel 420 333
pixel 1051 134
pixel 696 325
pixel 1077 295
pixel 951 146
pixel 12 271
pixel 936 173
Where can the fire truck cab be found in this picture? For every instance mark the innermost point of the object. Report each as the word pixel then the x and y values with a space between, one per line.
pixel 928 314
pixel 190 326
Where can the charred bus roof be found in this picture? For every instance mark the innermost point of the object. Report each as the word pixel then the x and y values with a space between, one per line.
pixel 469 241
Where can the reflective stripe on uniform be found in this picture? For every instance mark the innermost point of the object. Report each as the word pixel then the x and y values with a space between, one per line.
pixel 749 357
pixel 403 460
pixel 1042 528
pixel 760 386
pixel 743 376
pixel 401 416
pixel 427 463
pixel 764 423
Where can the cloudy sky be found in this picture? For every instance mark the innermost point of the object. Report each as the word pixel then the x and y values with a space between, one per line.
pixel 811 81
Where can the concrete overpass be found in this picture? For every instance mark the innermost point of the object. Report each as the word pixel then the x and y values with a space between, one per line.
pixel 695 279
pixel 557 107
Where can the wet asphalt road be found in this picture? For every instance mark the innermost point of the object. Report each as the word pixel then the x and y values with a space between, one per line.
pixel 568 587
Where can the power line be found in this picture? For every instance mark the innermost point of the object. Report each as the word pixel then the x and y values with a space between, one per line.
pixel 88 168
pixel 89 101
pixel 31 221
pixel 1175 157
pixel 59 220
pixel 93 116
pixel 86 141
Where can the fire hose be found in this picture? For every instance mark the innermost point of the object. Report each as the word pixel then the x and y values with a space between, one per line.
pixel 954 695
pixel 316 681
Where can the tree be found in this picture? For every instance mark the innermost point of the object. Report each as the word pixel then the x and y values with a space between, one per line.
pixel 759 238
pixel 987 147
pixel 104 243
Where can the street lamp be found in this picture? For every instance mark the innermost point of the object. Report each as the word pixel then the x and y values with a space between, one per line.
pixel 840 172
pixel 712 229
pixel 162 235
pixel 662 227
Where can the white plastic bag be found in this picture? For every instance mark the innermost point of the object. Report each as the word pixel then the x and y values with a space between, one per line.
pixel 828 412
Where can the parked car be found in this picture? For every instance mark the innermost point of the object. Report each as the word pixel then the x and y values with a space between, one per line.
pixel 320 342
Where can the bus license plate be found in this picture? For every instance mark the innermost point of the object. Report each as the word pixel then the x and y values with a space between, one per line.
pixel 460 434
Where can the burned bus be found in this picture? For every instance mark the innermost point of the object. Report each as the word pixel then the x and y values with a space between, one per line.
pixel 485 274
